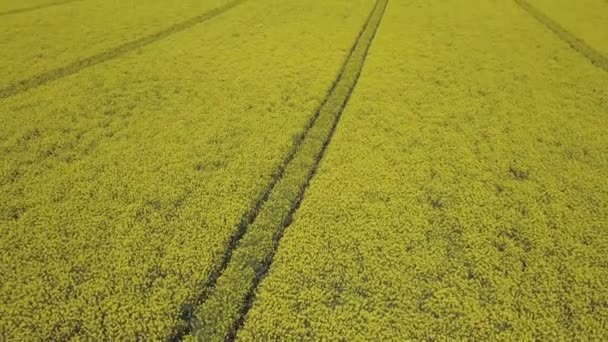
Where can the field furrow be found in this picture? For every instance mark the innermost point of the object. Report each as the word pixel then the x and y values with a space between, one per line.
pixel 123 184
pixel 222 307
pixel 34 7
pixel 318 170
pixel 462 196
pixel 596 57
pixel 78 65
pixel 585 19
pixel 42 45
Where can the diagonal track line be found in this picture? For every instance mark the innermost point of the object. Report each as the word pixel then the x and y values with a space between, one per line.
pixel 345 82
pixel 596 57
pixel 251 251
pixel 37 7
pixel 75 67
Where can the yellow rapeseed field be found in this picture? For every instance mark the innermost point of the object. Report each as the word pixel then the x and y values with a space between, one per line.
pixel 250 170
pixel 123 184
pixel 20 6
pixel 585 19
pixel 463 197
pixel 46 39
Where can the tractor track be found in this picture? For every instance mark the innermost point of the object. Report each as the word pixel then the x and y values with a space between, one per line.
pixel 37 7
pixel 75 67
pixel 372 26
pixel 285 191
pixel 596 57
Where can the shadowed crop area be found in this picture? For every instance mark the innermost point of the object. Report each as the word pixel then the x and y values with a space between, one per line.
pixel 253 170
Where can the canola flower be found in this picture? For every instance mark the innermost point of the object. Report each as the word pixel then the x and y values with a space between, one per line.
pixel 587 20
pixel 224 305
pixel 122 184
pixel 463 195
pixel 40 41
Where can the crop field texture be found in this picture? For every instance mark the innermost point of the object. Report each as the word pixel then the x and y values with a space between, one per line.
pixel 303 170
pixel 51 38
pixel 585 19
